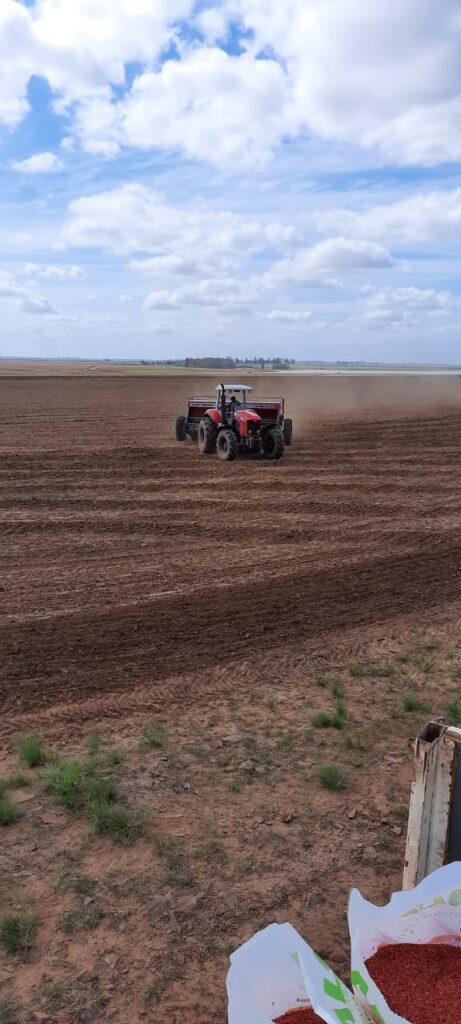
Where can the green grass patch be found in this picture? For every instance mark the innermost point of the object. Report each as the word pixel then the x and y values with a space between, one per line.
pixel 271 702
pixel 153 736
pixel 197 751
pixel 171 850
pixel 84 885
pixel 79 787
pixel 401 812
pixel 453 712
pixel 121 823
pixel 336 720
pixel 332 777
pixel 75 784
pixel 9 813
pixel 31 751
pixel 18 781
pixel 83 919
pixel 17 933
pixel 372 671
pixel 424 665
pixel 94 742
pixel 286 738
pixel 411 702
pixel 114 756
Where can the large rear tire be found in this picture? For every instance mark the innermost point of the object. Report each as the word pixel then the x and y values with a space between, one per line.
pixel 227 446
pixel 288 432
pixel 206 437
pixel 273 444
pixel 180 429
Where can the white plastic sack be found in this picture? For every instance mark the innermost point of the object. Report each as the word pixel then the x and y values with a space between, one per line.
pixel 429 913
pixel 277 971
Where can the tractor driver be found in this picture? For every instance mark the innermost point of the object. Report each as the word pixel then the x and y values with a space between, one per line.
pixel 234 403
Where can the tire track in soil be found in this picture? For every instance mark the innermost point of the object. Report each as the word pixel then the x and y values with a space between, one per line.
pixel 164 638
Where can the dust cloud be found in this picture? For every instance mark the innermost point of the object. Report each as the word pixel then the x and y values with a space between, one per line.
pixel 317 399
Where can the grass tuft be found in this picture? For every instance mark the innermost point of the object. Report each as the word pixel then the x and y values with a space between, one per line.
pixel 121 823
pixel 411 702
pixel 372 671
pixel 17 933
pixel 171 851
pixel 114 756
pixel 75 784
pixel 79 786
pixel 31 751
pixel 153 736
pixel 18 781
pixel 94 742
pixel 9 813
pixel 286 738
pixel 453 712
pixel 83 919
pixel 84 885
pixel 331 721
pixel 331 777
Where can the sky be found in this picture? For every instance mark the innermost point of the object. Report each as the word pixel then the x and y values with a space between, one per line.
pixel 245 177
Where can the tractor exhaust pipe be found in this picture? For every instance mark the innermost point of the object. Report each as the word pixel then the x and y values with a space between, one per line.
pixel 223 403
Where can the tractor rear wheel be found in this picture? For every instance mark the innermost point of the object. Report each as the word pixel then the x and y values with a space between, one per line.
pixel 288 432
pixel 273 444
pixel 227 446
pixel 180 431
pixel 206 437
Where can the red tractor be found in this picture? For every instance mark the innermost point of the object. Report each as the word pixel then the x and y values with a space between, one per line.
pixel 235 422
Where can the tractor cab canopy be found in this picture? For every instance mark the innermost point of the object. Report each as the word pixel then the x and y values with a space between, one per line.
pixel 229 393
pixel 234 387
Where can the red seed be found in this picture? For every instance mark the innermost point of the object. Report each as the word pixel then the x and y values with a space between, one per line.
pixel 303 1015
pixel 421 982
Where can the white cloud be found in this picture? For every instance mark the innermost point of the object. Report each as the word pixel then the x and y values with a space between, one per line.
pixel 228 292
pixel 37 307
pixel 315 267
pixel 40 163
pixel 395 86
pixel 405 306
pixel 417 218
pixel 289 315
pixel 9 289
pixel 213 105
pixel 72 272
pixel 22 298
pixel 79 47
pixel 185 241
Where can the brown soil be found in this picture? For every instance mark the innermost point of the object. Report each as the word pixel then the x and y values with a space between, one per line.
pixel 141 582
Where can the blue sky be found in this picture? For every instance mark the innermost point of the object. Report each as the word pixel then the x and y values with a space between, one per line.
pixel 242 177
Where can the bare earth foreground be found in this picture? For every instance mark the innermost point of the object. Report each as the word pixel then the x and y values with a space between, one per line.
pixel 176 625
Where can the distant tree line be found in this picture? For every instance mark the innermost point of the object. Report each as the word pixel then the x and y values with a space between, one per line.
pixel 222 362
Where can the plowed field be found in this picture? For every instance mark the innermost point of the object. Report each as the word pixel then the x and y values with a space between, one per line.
pixel 127 558
pixel 217 637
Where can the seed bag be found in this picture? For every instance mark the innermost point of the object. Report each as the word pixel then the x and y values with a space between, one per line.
pixel 427 914
pixel 277 971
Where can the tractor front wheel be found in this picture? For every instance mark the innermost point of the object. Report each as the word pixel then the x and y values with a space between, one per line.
pixel 181 431
pixel 273 444
pixel 206 437
pixel 227 446
pixel 288 432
